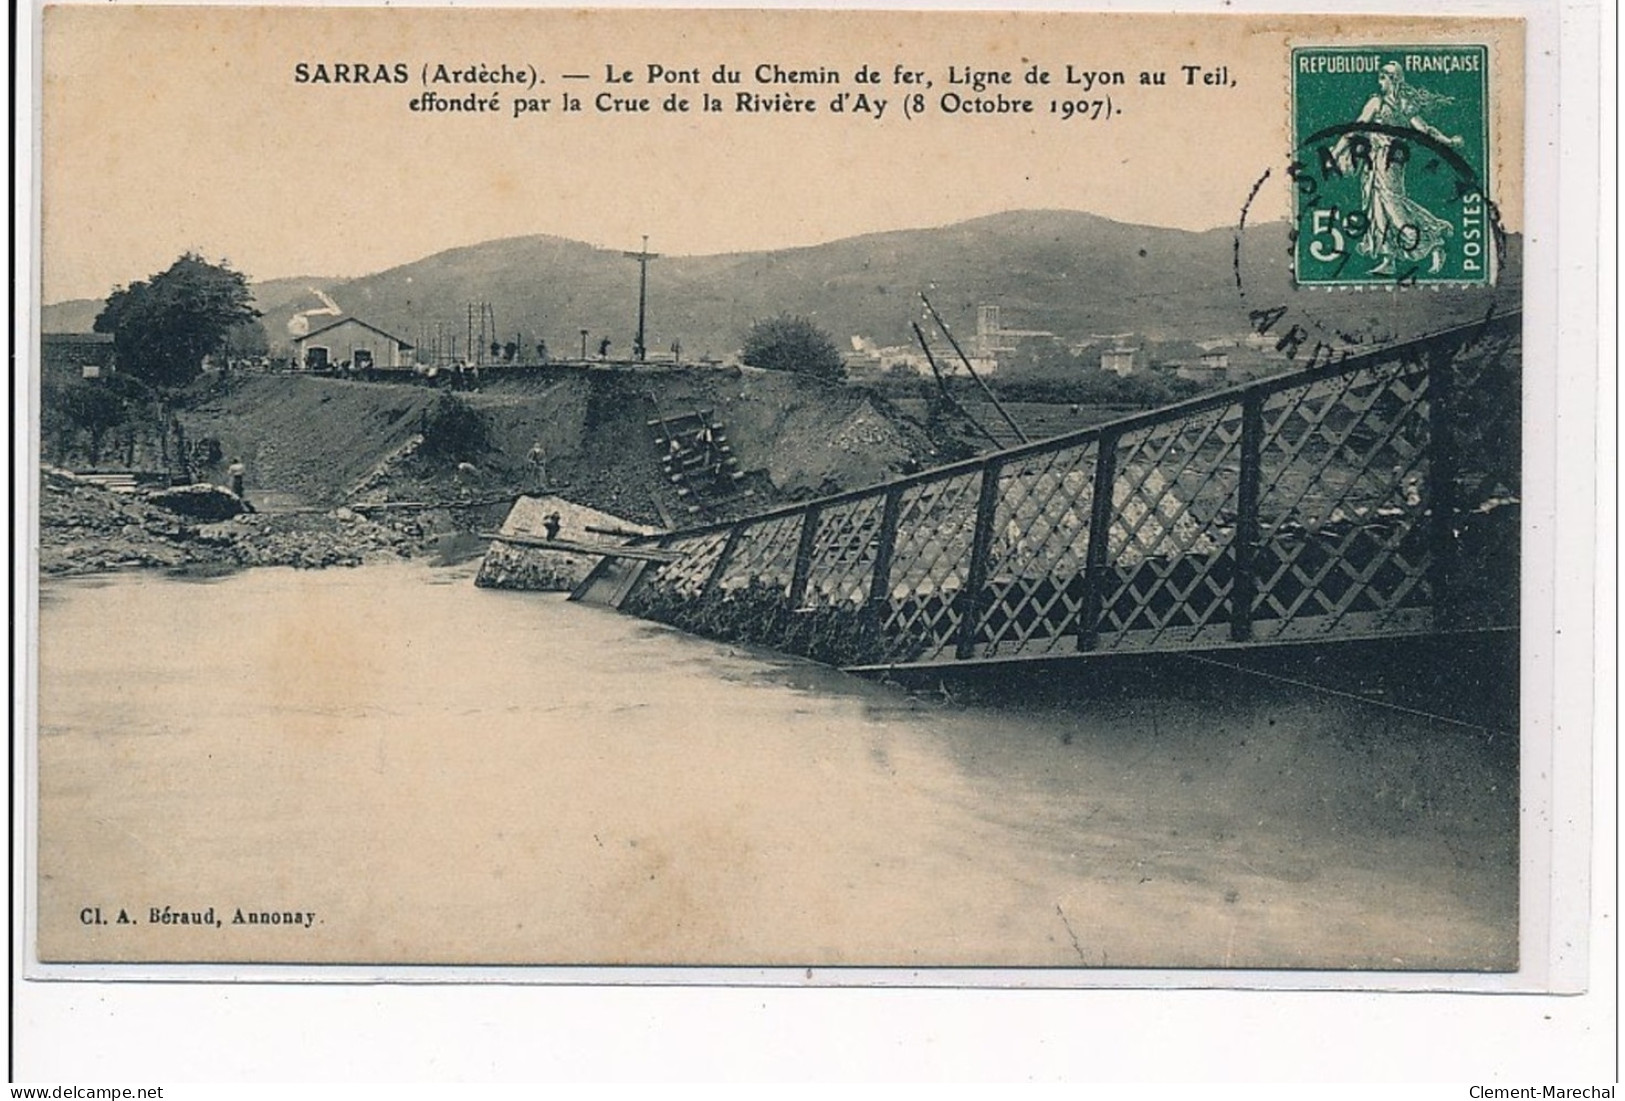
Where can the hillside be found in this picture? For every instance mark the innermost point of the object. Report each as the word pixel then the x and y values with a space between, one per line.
pixel 76 315
pixel 1065 272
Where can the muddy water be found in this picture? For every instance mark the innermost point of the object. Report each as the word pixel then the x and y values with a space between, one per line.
pixel 440 773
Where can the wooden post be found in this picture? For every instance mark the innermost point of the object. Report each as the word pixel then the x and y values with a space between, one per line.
pixel 1441 482
pixel 642 256
pixel 804 555
pixel 715 577
pixel 1244 586
pixel 1100 530
pixel 885 547
pixel 971 598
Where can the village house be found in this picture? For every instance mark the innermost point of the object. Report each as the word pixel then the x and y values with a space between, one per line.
pixel 66 357
pixel 1119 361
pixel 1212 369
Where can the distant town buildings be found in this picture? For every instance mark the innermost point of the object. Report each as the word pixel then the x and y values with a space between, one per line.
pixel 994 349
pixel 988 351
pixel 994 340
pixel 868 357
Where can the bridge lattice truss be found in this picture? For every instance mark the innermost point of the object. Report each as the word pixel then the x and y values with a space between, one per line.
pixel 1376 498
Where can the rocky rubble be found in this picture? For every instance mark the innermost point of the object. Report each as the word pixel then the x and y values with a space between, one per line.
pixel 85 528
pixel 200 501
pixel 307 540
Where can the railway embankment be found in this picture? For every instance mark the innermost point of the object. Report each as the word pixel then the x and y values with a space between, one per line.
pixel 339 471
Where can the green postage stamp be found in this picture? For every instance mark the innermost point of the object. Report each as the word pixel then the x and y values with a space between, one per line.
pixel 1391 154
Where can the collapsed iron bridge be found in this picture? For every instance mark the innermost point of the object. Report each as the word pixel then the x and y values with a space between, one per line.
pixel 1380 497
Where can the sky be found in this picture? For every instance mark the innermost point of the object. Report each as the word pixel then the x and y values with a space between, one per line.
pixel 189 128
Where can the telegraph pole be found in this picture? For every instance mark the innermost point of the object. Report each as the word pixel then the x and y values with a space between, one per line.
pixel 642 257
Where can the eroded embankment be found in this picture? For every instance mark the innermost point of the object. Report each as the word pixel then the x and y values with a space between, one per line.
pixel 338 473
pixel 304 440
pixel 585 435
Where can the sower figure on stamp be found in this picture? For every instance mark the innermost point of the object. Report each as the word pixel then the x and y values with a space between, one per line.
pixel 1398 228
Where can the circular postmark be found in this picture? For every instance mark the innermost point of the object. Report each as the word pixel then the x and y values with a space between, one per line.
pixel 1390 232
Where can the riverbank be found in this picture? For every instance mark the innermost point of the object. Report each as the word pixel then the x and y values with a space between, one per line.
pixel 87 529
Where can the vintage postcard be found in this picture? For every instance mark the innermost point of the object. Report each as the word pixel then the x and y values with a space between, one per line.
pixel 955 494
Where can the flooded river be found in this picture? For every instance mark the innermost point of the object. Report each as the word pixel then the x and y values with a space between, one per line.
pixel 400 767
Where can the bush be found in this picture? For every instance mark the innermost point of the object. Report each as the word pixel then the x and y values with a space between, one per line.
pixel 786 343
pixel 88 407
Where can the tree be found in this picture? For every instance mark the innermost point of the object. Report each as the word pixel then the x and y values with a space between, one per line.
pixel 163 327
pixel 786 343
pixel 247 340
pixel 91 407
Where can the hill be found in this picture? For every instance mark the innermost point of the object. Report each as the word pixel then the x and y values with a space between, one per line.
pixel 1065 272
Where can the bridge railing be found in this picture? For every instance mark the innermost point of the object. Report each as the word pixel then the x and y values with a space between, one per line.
pixel 1375 497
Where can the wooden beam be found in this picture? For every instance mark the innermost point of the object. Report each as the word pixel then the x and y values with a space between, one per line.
pixel 608 550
